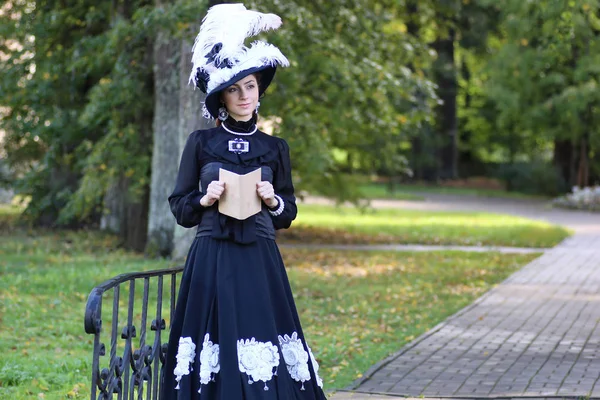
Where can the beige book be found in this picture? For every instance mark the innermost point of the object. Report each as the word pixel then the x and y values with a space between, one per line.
pixel 240 199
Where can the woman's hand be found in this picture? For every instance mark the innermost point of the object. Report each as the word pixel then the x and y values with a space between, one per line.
pixel 213 193
pixel 267 193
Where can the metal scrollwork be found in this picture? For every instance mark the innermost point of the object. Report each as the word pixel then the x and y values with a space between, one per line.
pixel 135 362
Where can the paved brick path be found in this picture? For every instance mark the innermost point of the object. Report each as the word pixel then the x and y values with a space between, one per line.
pixel 535 336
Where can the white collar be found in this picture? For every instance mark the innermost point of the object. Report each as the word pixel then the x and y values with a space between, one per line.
pixel 239 133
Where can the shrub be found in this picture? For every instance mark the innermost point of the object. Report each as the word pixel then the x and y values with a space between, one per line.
pixel 534 177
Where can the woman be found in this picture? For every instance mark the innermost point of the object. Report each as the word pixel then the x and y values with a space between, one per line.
pixel 236 333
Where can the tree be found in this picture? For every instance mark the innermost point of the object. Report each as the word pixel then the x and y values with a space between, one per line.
pixel 458 34
pixel 544 81
pixel 80 97
pixel 44 93
pixel 445 75
pixel 167 68
pixel 348 91
pixel 120 106
pixel 79 87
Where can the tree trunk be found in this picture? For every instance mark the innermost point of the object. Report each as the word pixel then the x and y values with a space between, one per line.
pixel 573 163
pixel 446 113
pixel 125 218
pixel 114 205
pixel 161 224
pixel 563 153
pixel 190 111
pixel 594 167
pixel 135 228
pixel 125 215
pixel 418 156
pixel 467 162
pixel 583 173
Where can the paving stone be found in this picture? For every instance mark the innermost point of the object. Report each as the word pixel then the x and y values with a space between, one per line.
pixel 536 334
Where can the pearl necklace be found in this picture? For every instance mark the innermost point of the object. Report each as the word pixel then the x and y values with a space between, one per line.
pixel 239 133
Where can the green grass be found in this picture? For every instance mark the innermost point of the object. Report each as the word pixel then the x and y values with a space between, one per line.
pixel 381 191
pixel 9 214
pixel 418 191
pixel 328 224
pixel 45 279
pixel 356 308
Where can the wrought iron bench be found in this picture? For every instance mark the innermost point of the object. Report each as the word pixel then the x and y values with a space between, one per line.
pixel 134 367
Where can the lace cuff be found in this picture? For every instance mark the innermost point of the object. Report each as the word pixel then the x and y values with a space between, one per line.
pixel 279 209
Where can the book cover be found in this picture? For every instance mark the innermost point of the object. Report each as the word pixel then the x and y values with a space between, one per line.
pixel 240 200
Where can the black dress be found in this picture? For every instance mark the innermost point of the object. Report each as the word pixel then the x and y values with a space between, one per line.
pixel 236 333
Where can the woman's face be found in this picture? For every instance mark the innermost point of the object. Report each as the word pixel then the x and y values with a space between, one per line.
pixel 241 98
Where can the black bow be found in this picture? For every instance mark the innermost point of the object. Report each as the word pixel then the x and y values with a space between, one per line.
pixel 212 55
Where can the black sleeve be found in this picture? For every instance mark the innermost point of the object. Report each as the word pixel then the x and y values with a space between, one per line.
pixel 185 199
pixel 284 188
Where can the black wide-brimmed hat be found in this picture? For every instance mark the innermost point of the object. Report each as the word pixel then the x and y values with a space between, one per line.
pixel 220 57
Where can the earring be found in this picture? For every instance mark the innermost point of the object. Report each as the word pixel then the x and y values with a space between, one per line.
pixel 257 106
pixel 223 114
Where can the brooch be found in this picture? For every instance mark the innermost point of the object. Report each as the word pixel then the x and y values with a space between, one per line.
pixel 239 146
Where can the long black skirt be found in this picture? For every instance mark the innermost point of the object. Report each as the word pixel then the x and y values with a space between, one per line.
pixel 236 334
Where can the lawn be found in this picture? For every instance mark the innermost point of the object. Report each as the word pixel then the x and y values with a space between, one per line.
pixel 416 192
pixel 356 307
pixel 327 224
pixel 381 191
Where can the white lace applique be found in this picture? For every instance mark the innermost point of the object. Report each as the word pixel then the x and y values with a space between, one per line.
pixel 185 356
pixel 209 361
pixel 296 358
pixel 257 360
pixel 315 366
pixel 205 112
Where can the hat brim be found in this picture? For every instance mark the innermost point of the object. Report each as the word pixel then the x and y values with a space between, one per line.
pixel 213 101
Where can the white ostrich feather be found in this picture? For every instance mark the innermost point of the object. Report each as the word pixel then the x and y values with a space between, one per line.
pixel 258 55
pixel 230 25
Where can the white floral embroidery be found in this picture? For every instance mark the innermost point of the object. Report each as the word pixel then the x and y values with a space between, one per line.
pixel 296 358
pixel 257 359
pixel 209 361
pixel 185 356
pixel 315 366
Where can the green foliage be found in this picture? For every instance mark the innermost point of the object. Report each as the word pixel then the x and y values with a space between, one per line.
pixel 80 104
pixel 543 78
pixel 535 177
pixel 348 88
pixel 43 97
pixel 77 91
pixel 77 87
pixel 120 106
